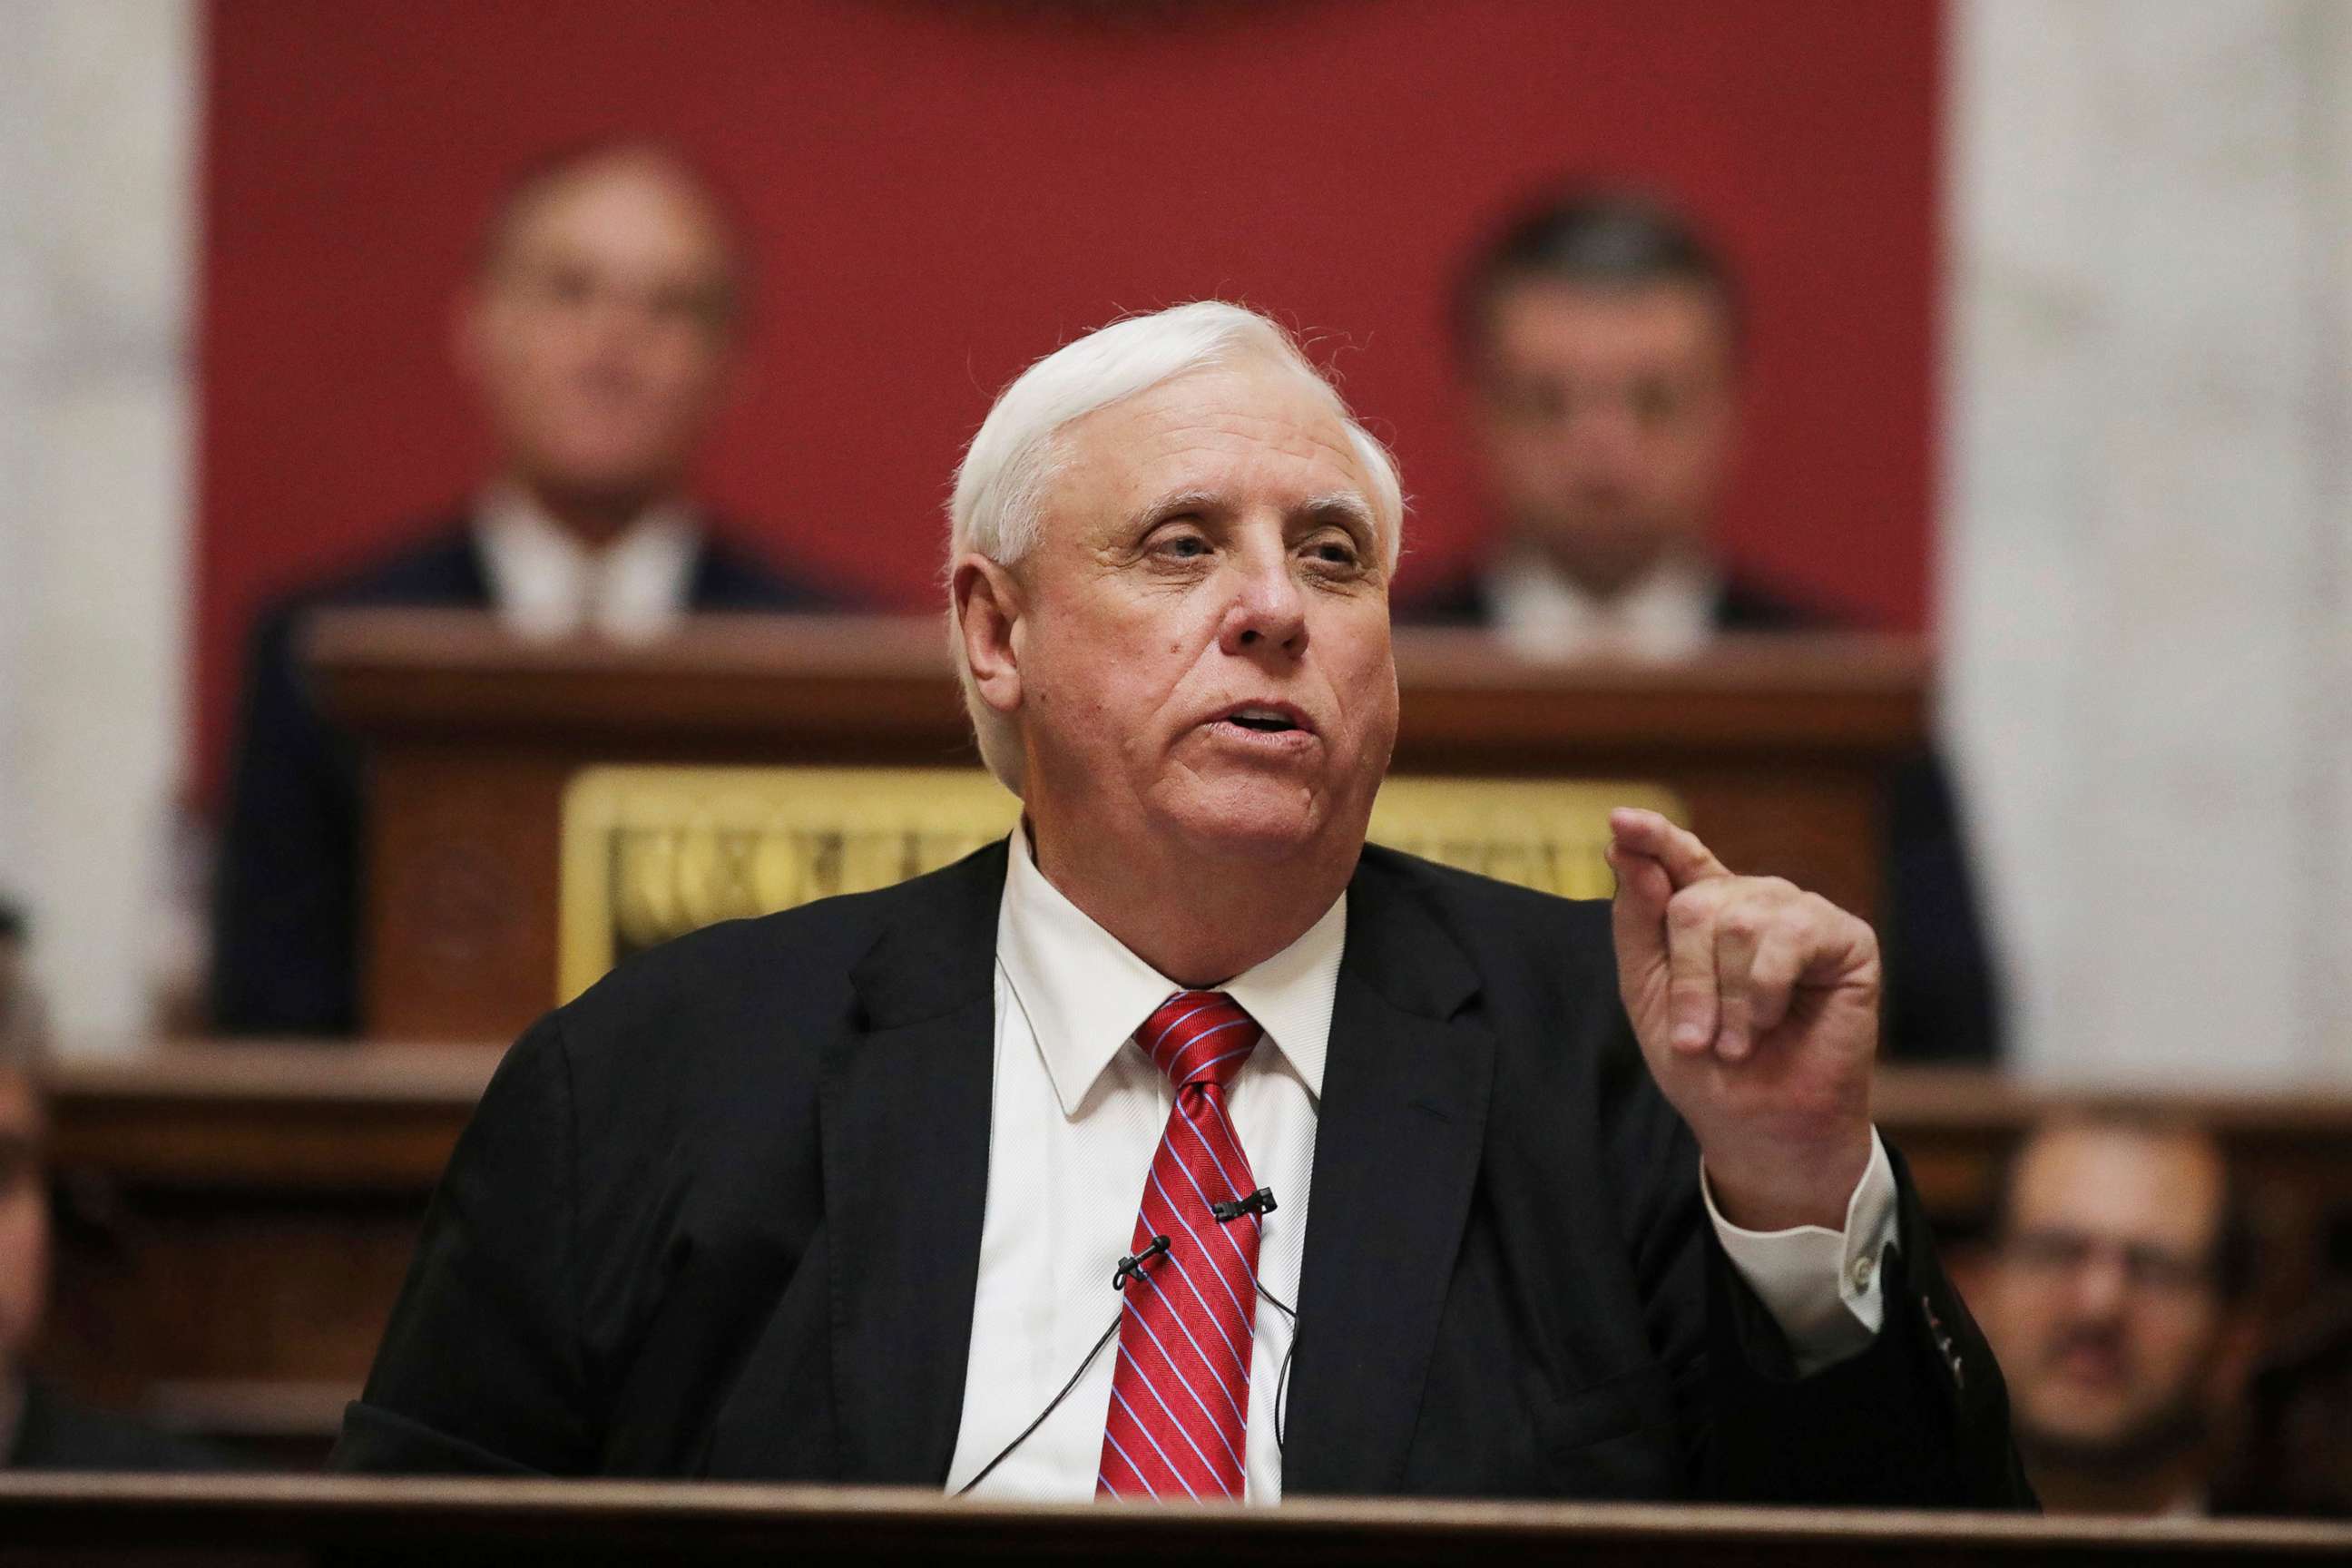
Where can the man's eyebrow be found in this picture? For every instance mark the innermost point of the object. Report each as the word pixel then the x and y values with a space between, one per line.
pixel 1343 506
pixel 1176 503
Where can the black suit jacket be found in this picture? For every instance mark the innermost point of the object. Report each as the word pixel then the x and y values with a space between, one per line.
pixel 286 883
pixel 1943 992
pixel 721 1216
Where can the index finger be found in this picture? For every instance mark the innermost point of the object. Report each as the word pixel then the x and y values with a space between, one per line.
pixel 1679 850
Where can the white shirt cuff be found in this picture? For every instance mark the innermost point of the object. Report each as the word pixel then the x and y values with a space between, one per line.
pixel 1821 1287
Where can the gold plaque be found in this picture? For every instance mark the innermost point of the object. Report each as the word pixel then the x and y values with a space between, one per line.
pixel 651 852
pixel 1545 834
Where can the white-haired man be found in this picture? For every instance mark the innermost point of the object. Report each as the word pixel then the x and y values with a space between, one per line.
pixel 1182 1146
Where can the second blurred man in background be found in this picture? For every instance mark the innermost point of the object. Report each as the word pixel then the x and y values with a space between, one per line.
pixel 597 333
pixel 2119 1303
pixel 1600 340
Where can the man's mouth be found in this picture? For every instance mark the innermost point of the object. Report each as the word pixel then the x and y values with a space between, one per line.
pixel 1275 716
pixel 1272 729
pixel 1265 721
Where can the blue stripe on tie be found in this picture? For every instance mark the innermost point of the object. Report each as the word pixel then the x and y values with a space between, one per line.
pixel 1153 1049
pixel 1225 1126
pixel 1160 1345
pixel 1178 1318
pixel 1231 1349
pixel 1233 1141
pixel 1248 1271
pixel 1174 1420
pixel 1247 1268
pixel 1195 1236
pixel 1133 1468
pixel 1202 1070
pixel 1191 1074
pixel 1148 1437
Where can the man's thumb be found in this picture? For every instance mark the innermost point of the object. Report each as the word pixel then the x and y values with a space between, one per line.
pixel 1638 913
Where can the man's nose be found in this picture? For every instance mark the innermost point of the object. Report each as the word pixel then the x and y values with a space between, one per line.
pixel 2101 1284
pixel 1268 611
pixel 613 317
pixel 1600 435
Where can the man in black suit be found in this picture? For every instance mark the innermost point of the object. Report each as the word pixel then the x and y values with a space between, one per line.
pixel 1599 339
pixel 1383 1178
pixel 598 331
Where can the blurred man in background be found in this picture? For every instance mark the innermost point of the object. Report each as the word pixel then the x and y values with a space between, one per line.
pixel 1600 339
pixel 2118 1304
pixel 40 1427
pixel 597 332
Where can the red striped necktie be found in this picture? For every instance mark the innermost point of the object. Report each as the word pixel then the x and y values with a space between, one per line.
pixel 1178 1422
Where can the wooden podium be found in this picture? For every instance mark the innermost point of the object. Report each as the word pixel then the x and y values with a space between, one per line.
pixel 129 1519
pixel 1777 747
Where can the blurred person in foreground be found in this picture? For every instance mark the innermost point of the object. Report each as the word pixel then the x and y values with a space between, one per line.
pixel 41 1428
pixel 863 1192
pixel 2119 1300
pixel 1599 337
pixel 598 332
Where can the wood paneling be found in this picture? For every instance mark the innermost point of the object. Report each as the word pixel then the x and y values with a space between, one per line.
pixel 238 1219
pixel 1776 744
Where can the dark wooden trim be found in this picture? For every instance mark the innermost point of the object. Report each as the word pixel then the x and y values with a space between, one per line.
pixel 44 1518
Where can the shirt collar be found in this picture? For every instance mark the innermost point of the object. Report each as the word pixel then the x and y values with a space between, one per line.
pixel 546 582
pixel 1668 612
pixel 1084 995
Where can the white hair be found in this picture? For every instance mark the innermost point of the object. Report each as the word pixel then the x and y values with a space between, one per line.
pixel 1001 486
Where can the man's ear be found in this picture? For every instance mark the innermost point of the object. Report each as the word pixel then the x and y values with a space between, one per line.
pixel 988 613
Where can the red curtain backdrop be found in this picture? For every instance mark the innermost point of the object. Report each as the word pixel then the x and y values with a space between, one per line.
pixel 941 190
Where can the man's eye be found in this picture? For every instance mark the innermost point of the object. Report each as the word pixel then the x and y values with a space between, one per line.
pixel 1335 551
pixel 1654 403
pixel 1184 546
pixel 565 285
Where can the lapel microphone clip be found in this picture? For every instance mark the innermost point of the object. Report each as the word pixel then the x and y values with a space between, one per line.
pixel 1131 1267
pixel 1260 1202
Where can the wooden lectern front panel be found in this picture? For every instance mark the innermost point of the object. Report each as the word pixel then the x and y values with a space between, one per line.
pixel 1776 749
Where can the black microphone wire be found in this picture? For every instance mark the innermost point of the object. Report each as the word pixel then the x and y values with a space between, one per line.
pixel 965 1490
pixel 1281 1380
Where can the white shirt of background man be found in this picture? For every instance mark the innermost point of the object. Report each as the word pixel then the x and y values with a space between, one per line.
pixel 1076 1112
pixel 545 583
pixel 1666 614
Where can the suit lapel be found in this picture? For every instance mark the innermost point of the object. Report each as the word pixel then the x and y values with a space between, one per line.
pixel 1397 1147
pixel 904 1123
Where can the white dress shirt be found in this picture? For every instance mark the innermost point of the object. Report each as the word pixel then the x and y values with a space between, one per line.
pixel 1666 614
pixel 1076 1112
pixel 545 583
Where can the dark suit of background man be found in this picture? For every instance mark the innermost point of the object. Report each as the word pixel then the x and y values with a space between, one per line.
pixel 597 332
pixel 1598 338
pixel 841 1195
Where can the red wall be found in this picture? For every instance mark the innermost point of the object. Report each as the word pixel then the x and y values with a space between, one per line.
pixel 944 189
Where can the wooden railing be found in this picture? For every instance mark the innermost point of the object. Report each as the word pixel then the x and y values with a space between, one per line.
pixel 239 1217
pixel 218 1522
